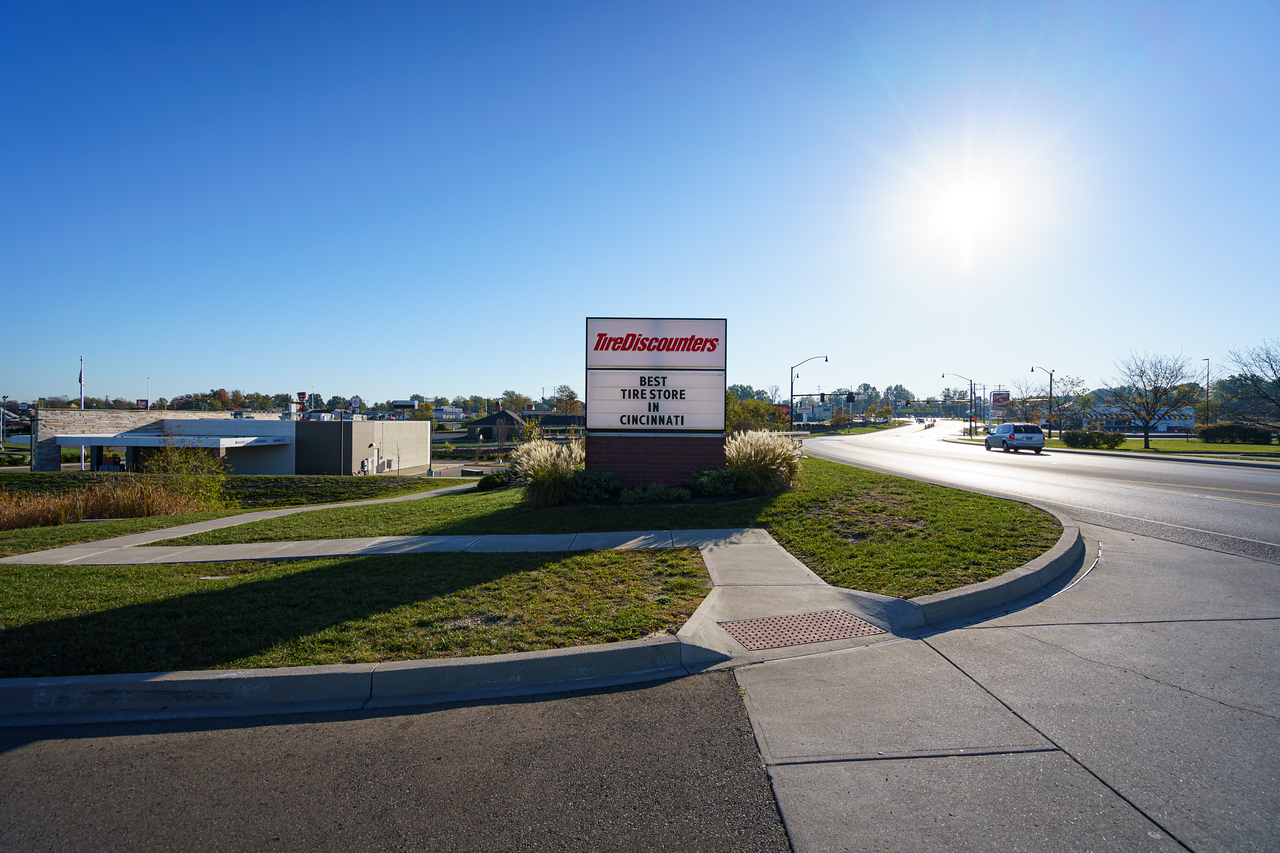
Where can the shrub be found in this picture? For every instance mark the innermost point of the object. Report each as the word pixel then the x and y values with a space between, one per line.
pixel 191 474
pixel 1077 438
pixel 763 461
pixel 1092 439
pixel 1109 440
pixel 494 480
pixel 1234 434
pixel 592 486
pixel 716 483
pixel 654 492
pixel 547 469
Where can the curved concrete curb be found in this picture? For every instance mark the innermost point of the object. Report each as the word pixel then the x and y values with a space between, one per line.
pixel 1014 584
pixel 252 692
pixel 307 689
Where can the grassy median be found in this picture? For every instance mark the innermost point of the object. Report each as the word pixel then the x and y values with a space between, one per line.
pixel 80 620
pixel 855 528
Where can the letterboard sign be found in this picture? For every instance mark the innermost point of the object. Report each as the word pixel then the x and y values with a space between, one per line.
pixel 655 375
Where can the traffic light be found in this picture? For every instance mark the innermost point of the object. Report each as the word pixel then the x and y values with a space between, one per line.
pixel 822 398
pixel 849 398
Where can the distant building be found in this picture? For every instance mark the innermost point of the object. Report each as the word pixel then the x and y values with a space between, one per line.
pixel 506 424
pixel 122 440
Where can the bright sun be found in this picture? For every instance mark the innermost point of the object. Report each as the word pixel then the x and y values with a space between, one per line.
pixel 969 215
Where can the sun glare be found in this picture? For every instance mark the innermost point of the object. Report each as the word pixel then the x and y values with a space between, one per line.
pixel 970 215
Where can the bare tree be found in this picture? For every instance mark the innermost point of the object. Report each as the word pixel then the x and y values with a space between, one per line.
pixel 1076 403
pixel 1259 367
pixel 1026 403
pixel 1149 387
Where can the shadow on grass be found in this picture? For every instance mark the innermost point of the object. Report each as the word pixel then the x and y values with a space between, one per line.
pixel 603 518
pixel 214 627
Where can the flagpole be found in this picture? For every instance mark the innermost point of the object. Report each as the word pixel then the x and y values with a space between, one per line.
pixel 82 407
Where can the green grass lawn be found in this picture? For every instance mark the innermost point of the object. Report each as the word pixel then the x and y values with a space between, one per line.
pixel 1184 445
pixel 80 620
pixel 855 528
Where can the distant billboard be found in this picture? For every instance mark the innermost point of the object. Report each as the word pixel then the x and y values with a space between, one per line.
pixel 1000 399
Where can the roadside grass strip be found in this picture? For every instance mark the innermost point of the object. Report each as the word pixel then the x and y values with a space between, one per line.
pixel 1191 446
pixel 854 528
pixel 261 492
pixel 80 620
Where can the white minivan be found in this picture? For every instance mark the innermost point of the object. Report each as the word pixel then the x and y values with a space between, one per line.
pixel 1015 437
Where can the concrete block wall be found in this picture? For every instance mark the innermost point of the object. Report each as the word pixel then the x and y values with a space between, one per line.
pixel 643 460
pixel 53 422
pixel 402 445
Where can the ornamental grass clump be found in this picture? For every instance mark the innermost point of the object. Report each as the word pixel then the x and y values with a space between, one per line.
pixel 546 468
pixel 133 498
pixel 763 461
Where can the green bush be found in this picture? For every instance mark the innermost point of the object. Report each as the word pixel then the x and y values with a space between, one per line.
pixel 592 486
pixel 1109 440
pixel 494 480
pixel 1077 438
pixel 653 493
pixel 1093 439
pixel 716 483
pixel 192 474
pixel 1234 434
pixel 763 461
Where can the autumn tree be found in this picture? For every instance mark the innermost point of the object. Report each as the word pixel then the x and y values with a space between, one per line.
pixel 566 400
pixel 513 401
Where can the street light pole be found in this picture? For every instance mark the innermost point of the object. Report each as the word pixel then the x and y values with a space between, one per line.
pixel 970 381
pixel 1206 392
pixel 791 401
pixel 1050 372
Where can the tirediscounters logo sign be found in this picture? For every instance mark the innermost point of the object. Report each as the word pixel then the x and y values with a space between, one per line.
pixel 647 374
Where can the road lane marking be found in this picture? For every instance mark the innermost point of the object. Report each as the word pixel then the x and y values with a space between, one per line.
pixel 1210 488
pixel 1206 497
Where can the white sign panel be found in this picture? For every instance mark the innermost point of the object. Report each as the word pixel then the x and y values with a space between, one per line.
pixel 665 399
pixel 660 375
pixel 643 343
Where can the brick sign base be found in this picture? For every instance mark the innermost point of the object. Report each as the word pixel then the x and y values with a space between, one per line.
pixel 670 460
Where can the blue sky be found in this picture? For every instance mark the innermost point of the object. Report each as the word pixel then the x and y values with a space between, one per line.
pixel 394 198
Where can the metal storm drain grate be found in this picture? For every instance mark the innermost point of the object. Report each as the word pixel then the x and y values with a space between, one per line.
pixel 774 632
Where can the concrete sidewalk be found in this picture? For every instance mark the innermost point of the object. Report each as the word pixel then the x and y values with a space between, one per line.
pixel 753 579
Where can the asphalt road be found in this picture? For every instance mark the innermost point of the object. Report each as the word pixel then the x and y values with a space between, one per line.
pixel 1228 508
pixel 669 766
